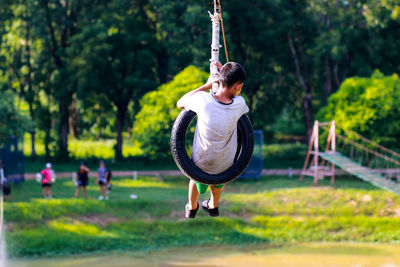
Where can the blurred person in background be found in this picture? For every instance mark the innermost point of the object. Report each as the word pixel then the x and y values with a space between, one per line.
pixel 102 173
pixel 83 179
pixel 48 177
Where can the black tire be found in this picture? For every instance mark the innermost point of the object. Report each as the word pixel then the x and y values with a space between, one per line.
pixel 186 165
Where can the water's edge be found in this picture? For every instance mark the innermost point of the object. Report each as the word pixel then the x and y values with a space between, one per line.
pixel 311 254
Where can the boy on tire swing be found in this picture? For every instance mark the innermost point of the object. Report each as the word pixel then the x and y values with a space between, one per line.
pixel 215 140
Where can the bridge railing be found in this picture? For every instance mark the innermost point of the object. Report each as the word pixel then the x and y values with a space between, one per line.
pixel 368 153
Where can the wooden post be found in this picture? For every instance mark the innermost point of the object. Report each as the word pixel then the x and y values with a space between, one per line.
pixel 316 148
pixel 333 148
pixel 333 129
pixel 310 145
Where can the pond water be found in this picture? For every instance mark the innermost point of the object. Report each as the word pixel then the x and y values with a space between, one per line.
pixel 310 255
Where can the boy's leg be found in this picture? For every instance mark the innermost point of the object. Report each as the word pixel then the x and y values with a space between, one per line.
pixel 49 192
pixel 193 195
pixel 44 192
pixel 101 197
pixel 78 188
pixel 84 192
pixel 215 195
pixel 104 189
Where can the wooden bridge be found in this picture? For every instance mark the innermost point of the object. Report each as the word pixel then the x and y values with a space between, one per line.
pixel 354 154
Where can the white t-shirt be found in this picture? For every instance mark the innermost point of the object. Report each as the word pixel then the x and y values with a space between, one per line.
pixel 215 139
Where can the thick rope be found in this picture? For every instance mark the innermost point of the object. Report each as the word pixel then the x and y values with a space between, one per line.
pixel 223 30
pixel 223 37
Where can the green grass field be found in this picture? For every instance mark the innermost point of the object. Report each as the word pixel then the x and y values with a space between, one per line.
pixel 275 156
pixel 272 210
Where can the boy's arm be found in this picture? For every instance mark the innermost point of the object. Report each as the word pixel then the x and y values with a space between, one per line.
pixel 205 87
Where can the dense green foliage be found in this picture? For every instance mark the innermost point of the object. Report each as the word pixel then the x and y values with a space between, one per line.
pixel 369 106
pixel 11 121
pixel 271 210
pixel 81 67
pixel 282 156
pixel 153 123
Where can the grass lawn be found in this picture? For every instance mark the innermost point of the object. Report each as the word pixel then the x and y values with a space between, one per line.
pixel 275 156
pixel 272 210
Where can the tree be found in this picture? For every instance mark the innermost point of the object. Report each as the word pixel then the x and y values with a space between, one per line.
pixel 20 50
pixel 255 39
pixel 118 59
pixel 154 121
pixel 368 106
pixel 184 30
pixel 12 123
pixel 56 22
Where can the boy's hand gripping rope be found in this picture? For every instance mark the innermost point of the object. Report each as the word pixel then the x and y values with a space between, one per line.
pixel 216 19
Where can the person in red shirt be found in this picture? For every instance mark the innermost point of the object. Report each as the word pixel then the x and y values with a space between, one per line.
pixel 48 177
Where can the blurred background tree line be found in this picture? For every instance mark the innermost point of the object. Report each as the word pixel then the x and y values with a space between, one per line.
pixel 102 69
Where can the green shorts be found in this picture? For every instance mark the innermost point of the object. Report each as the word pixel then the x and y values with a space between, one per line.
pixel 202 188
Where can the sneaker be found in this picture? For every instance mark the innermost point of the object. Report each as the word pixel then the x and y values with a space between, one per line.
pixel 212 212
pixel 101 197
pixel 191 213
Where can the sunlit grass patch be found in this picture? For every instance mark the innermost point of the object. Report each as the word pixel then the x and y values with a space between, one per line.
pixel 325 228
pixel 148 182
pixel 78 227
pixel 316 201
pixel 83 149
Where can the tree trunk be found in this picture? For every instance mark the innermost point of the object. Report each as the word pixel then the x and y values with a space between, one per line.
pixel 98 122
pixel 57 50
pixel 162 65
pixel 328 80
pixel 30 93
pixel 74 119
pixel 306 85
pixel 64 130
pixel 308 116
pixel 33 150
pixel 121 112
pixel 47 143
pixel 32 115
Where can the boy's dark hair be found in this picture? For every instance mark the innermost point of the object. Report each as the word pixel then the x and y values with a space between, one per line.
pixel 232 73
